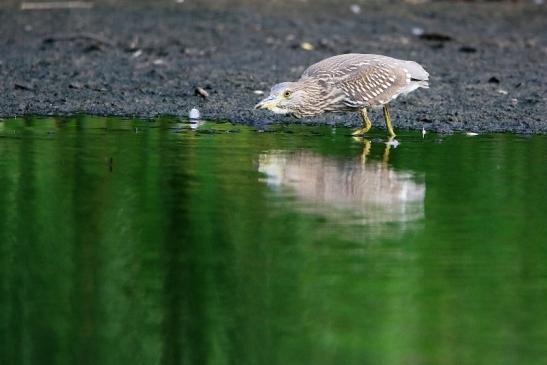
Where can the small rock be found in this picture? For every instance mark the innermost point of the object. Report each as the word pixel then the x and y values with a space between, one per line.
pixel 355 9
pixel 502 92
pixel 202 92
pixel 471 134
pixel 23 86
pixel 158 62
pixel 307 46
pixel 258 92
pixel 137 53
pixel 417 31
pixel 194 114
pixel 494 80
pixel 514 101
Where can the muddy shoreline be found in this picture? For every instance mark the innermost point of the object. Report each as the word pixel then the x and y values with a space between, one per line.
pixel 487 61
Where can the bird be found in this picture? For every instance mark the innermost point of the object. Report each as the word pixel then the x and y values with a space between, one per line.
pixel 347 82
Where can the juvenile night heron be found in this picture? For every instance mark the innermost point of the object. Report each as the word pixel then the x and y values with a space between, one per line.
pixel 348 82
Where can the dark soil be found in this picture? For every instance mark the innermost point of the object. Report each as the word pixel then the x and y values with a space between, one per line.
pixel 487 61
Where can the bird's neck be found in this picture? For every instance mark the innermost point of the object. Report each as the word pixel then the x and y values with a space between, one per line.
pixel 318 97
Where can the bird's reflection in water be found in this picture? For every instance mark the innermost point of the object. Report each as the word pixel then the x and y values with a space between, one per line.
pixel 356 191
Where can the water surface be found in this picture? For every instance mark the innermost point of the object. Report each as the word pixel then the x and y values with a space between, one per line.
pixel 159 242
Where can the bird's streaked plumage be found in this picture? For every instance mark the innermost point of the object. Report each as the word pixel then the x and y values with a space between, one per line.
pixel 344 83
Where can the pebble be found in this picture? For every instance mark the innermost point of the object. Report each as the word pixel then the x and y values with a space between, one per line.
pixel 307 46
pixel 202 92
pixel 417 31
pixel 471 134
pixel 355 9
pixel 503 92
pixel 194 114
pixel 259 92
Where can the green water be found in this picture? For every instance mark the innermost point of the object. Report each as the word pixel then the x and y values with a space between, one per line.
pixel 133 242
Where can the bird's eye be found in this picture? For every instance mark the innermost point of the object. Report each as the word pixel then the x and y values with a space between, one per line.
pixel 286 93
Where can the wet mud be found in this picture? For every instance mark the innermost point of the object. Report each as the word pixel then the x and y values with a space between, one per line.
pixel 486 61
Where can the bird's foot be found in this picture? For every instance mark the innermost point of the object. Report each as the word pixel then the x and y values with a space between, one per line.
pixel 359 132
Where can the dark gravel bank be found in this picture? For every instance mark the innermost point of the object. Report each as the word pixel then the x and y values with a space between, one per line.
pixel 487 61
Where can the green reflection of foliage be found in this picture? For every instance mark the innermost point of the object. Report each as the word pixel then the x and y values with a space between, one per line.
pixel 176 252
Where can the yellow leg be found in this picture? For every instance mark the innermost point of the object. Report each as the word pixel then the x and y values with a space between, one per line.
pixel 366 123
pixel 388 122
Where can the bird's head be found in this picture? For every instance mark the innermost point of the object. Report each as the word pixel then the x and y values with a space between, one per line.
pixel 285 98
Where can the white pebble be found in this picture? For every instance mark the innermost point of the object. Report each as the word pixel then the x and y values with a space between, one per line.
pixel 194 114
pixel 503 92
pixel 355 9
pixel 307 46
pixel 417 31
pixel 259 92
pixel 471 134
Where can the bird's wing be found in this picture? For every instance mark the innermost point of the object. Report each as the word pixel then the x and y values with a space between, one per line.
pixel 373 83
pixel 337 66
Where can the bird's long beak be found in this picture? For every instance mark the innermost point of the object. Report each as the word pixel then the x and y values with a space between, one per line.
pixel 268 103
